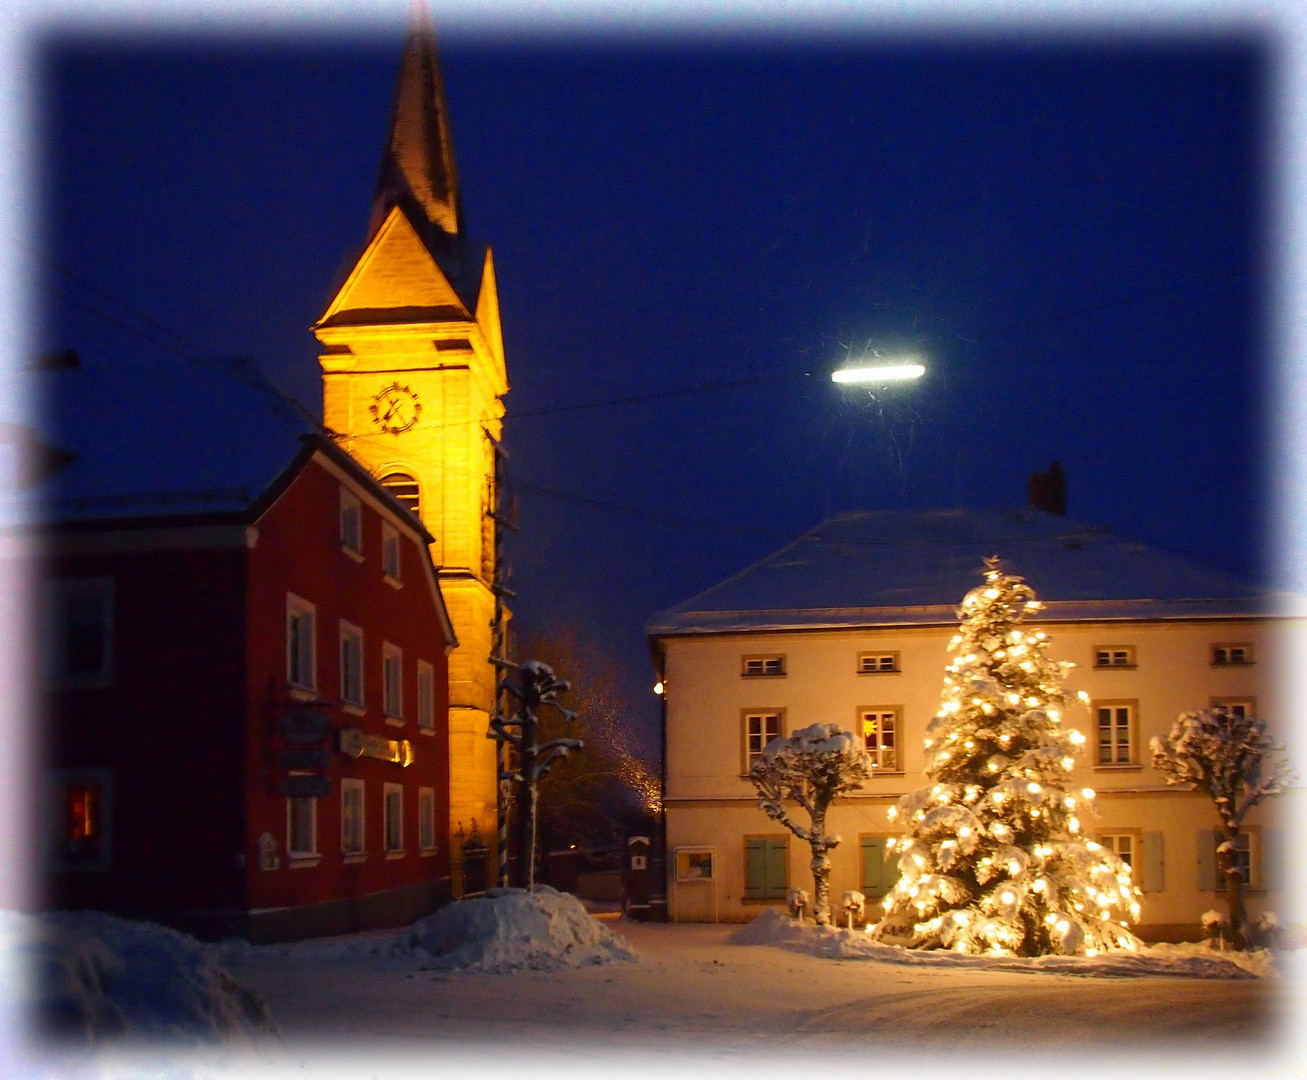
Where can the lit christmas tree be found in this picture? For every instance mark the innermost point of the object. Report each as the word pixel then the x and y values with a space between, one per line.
pixel 995 859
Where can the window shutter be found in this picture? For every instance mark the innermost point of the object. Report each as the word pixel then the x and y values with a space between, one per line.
pixel 1206 860
pixel 777 857
pixel 1151 877
pixel 755 868
pixel 874 874
pixel 1272 859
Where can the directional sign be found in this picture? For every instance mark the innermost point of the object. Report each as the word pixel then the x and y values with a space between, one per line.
pixel 305 757
pixel 304 726
pixel 358 743
pixel 302 787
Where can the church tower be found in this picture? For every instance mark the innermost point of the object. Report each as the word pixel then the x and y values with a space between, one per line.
pixel 412 380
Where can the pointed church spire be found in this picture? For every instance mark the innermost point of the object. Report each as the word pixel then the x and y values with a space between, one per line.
pixel 417 167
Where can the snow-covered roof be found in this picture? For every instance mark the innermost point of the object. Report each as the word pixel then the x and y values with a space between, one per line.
pixel 150 439
pixel 912 567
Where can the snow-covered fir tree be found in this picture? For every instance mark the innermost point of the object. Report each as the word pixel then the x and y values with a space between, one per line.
pixel 995 858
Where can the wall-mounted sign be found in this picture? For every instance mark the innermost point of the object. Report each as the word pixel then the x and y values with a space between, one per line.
pixel 310 786
pixel 694 864
pixel 358 743
pixel 304 726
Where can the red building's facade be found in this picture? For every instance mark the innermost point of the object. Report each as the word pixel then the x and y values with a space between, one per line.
pixel 247 711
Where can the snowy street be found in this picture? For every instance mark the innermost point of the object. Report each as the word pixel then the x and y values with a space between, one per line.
pixel 695 992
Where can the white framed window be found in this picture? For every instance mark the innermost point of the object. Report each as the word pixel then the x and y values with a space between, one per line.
pixel 426 696
pixel 390 548
pixel 1116 725
pixel 301 827
pixel 1124 845
pixel 880 734
pixel 1232 655
pixel 351 523
pixel 878 663
pixel 760 727
pixel 392 809
pixel 756 666
pixel 79 631
pixel 301 658
pixel 1114 656
pixel 427 819
pixel 1241 707
pixel 351 664
pixel 352 823
pixel 392 685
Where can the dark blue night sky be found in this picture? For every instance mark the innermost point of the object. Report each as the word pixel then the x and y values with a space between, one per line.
pixel 1070 231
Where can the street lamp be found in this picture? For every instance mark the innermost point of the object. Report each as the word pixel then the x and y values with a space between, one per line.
pixel 880 372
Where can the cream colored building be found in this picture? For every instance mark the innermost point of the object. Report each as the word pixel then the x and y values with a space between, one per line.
pixel 849 625
pixel 412 380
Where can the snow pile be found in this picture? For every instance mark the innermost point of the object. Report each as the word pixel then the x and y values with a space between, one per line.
pixel 92 977
pixel 514 930
pixel 1196 961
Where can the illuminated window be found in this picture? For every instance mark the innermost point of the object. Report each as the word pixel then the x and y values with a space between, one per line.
pixel 79 620
pixel 301 667
pixel 301 826
pixel 393 814
pixel 352 832
pixel 427 819
pixel 83 805
pixel 1232 655
pixel 753 666
pixel 351 664
pixel 392 688
pixel 404 489
pixel 80 805
pixel 1116 729
pixel 351 523
pixel 877 663
pixel 760 727
pixel 880 728
pixel 426 696
pixel 1115 656
pixel 390 564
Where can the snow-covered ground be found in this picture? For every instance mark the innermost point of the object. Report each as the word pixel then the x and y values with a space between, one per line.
pixel 570 994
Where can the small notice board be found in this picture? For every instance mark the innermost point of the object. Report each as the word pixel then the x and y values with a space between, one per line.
pixel 695 865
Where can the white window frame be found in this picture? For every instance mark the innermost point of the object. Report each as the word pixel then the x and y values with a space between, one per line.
pixel 1251 859
pixel 885 759
pixel 763 666
pixel 299 851
pixel 392 819
pixel 353 791
pixel 58 595
pixel 301 613
pixel 427 843
pixel 426 696
pixel 1114 656
pixel 351 524
pixel 754 742
pixel 1237 705
pixel 1125 844
pixel 392 682
pixel 1116 743
pixel 351 664
pixel 1232 654
pixel 392 565
pixel 878 663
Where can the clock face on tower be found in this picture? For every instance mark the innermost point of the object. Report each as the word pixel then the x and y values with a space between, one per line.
pixel 395 409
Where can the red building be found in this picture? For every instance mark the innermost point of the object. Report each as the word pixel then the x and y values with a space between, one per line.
pixel 247 703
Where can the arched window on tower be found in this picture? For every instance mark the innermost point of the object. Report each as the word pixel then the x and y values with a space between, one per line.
pixel 404 489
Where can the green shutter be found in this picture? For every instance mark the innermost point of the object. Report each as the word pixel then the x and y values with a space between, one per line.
pixel 1206 860
pixel 1151 877
pixel 875 874
pixel 777 857
pixel 1272 859
pixel 755 868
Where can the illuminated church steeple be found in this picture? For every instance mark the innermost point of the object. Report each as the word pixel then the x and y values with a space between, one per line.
pixel 412 380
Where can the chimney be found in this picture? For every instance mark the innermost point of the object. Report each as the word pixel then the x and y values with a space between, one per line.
pixel 1047 490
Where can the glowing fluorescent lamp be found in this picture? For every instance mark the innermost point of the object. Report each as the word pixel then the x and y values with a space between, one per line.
pixel 883 373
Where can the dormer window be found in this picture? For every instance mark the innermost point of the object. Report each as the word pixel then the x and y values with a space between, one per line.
pixel 757 666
